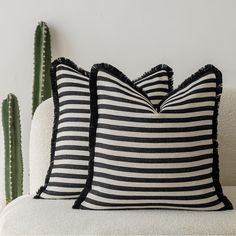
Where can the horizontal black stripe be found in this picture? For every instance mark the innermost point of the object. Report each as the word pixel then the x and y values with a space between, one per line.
pixel 153 150
pixel 153 170
pixel 70 166
pixel 68 176
pixel 155 130
pixel 71 157
pixel 73 85
pixel 74 102
pixel 62 194
pixel 74 138
pixel 155 119
pixel 155 97
pixel 72 147
pixel 65 111
pixel 152 189
pixel 72 128
pixel 73 93
pixel 65 185
pixel 146 197
pixel 152 180
pixel 74 119
pixel 153 140
pixel 154 160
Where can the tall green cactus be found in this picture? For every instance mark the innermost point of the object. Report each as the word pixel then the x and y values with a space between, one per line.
pixel 42 62
pixel 13 151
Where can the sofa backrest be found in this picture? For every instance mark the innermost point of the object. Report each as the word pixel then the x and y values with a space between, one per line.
pixel 41 132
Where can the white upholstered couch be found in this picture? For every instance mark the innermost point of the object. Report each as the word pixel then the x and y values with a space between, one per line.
pixel 26 216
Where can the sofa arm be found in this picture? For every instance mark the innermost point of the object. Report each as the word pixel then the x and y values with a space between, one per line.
pixel 40 143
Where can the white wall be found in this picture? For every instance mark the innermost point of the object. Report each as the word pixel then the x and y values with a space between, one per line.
pixel 133 35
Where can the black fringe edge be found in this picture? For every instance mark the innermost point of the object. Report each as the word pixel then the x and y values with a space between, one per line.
pixel 53 70
pixel 157 69
pixel 209 68
pixel 94 117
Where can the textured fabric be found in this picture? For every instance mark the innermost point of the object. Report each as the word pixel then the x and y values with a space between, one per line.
pixel 40 140
pixel 26 216
pixel 70 148
pixel 227 137
pixel 141 158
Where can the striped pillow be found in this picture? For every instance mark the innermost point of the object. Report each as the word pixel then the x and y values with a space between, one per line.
pixel 68 170
pixel 142 158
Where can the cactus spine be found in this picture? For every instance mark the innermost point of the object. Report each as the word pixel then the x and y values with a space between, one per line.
pixel 42 62
pixel 13 151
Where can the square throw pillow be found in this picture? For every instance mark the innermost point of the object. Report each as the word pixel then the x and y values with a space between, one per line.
pixel 142 158
pixel 68 169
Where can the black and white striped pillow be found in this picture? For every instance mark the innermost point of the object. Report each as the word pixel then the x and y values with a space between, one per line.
pixel 68 170
pixel 142 158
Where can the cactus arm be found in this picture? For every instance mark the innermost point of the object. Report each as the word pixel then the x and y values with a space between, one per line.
pixel 18 161
pixel 37 75
pixel 48 57
pixel 5 123
pixel 13 151
pixel 42 62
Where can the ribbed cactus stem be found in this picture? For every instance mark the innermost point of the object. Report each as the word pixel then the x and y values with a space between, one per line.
pixel 10 144
pixel 42 62
pixel 13 151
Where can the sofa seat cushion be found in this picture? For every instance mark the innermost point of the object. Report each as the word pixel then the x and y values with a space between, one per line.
pixel 27 216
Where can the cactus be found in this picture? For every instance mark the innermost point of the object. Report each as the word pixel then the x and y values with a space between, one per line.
pixel 42 62
pixel 13 151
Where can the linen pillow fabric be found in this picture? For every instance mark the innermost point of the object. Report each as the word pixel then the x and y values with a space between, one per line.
pixel 141 158
pixel 68 169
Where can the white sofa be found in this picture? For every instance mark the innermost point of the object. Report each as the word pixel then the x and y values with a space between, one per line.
pixel 27 216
